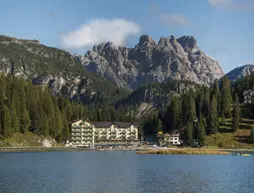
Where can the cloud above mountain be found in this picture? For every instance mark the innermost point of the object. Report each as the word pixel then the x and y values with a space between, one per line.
pixel 237 5
pixel 98 31
pixel 166 18
pixel 174 19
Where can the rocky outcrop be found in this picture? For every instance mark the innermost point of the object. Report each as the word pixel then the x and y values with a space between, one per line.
pixel 241 71
pixel 149 62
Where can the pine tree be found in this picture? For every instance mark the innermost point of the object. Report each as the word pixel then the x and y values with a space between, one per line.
pixel 15 100
pixel 58 129
pixel 226 98
pixel 159 125
pixel 113 114
pixel 199 103
pixel 98 115
pixel 216 93
pixel 49 109
pixel 188 133
pixel 206 102
pixel 81 112
pixel 2 98
pixel 201 133
pixel 236 113
pixel 68 110
pixel 8 91
pixel 252 134
pixel 173 115
pixel 213 117
pixel 46 126
pixel 191 109
pixel 7 130
pixel 14 118
pixel 25 121
pixel 66 130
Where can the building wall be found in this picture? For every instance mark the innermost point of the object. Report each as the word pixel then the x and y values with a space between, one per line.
pixel 115 133
pixel 86 134
pixel 174 140
pixel 82 133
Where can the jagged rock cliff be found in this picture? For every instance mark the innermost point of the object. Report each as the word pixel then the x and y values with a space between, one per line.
pixel 149 62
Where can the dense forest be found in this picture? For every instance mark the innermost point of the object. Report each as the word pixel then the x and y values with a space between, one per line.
pixel 199 113
pixel 27 107
pixel 196 111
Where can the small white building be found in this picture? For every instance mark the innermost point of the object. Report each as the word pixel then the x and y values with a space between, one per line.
pixel 248 96
pixel 172 138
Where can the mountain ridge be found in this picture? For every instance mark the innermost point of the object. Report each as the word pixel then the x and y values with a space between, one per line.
pixel 241 71
pixel 57 69
pixel 151 62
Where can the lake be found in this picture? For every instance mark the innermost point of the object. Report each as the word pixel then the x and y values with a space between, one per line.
pixel 124 171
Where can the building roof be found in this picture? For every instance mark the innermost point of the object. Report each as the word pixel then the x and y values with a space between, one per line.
pixel 168 135
pixel 108 124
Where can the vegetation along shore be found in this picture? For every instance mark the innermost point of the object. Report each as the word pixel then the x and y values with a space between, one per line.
pixel 184 151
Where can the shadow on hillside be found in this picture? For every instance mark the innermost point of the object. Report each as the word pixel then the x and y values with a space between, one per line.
pixel 244 139
pixel 225 130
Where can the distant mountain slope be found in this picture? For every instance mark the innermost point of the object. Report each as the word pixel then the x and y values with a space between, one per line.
pixel 241 71
pixel 151 62
pixel 57 69
pixel 158 94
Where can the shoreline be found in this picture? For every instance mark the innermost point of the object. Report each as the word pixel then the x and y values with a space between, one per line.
pixel 58 149
pixel 137 149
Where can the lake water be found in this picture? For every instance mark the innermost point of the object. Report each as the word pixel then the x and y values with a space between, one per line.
pixel 113 171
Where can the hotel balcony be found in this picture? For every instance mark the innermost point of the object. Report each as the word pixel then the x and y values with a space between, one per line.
pixel 88 130
pixel 75 130
pixel 76 134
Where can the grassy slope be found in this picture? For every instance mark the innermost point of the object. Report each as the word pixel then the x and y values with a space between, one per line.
pixel 228 139
pixel 25 140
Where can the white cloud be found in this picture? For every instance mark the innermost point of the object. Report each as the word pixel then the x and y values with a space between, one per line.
pixel 219 3
pixel 174 19
pixel 99 31
pixel 237 5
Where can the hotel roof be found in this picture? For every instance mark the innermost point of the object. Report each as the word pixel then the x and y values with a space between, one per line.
pixel 108 124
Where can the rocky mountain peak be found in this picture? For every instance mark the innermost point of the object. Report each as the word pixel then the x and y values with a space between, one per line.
pixel 165 42
pixel 146 40
pixel 188 43
pixel 99 48
pixel 148 62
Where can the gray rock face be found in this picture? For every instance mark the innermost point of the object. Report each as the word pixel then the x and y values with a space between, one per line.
pixel 150 62
pixel 242 71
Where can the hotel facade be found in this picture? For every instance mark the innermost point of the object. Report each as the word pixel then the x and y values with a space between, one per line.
pixel 85 134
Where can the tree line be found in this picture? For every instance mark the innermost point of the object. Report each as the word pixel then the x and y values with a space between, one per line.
pixel 27 107
pixel 198 112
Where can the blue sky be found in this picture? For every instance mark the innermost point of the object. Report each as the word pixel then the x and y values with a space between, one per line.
pixel 224 29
